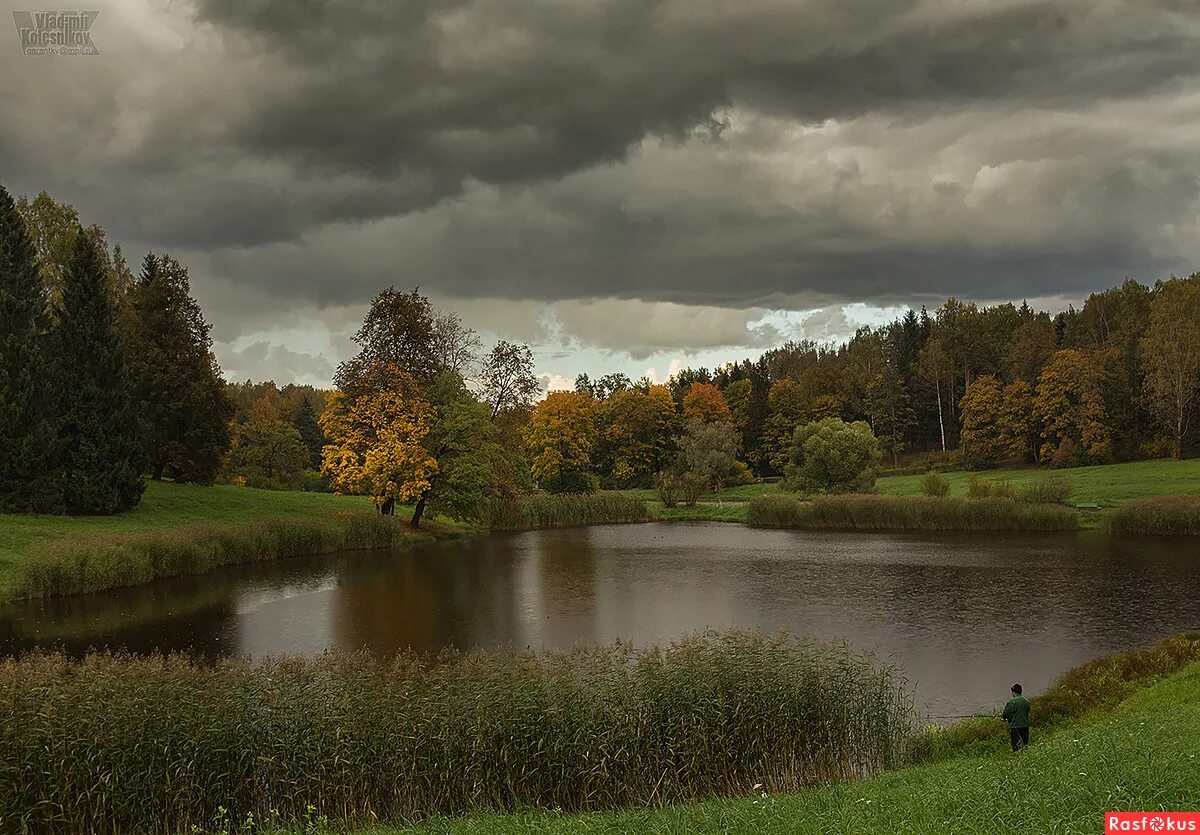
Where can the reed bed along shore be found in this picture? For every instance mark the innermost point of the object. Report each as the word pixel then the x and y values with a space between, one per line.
pixel 1158 516
pixel 162 745
pixel 1099 684
pixel 81 563
pixel 869 512
pixel 564 510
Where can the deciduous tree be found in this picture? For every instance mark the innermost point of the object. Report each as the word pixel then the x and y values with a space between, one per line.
pixel 1171 348
pixel 983 435
pixel 1068 406
pixel 508 379
pixel 833 456
pixel 559 440
pixel 377 438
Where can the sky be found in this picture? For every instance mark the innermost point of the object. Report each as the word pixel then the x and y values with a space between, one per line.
pixel 627 185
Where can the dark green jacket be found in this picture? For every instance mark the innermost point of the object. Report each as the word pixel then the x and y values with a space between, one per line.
pixel 1016 712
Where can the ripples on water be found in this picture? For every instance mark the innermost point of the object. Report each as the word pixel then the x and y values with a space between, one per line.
pixel 965 616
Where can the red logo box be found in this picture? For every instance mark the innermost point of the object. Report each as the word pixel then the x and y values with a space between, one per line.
pixel 1152 822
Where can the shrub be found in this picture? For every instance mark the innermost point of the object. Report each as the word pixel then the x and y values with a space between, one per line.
pixel 166 744
pixel 1047 491
pixel 833 456
pixel 1158 515
pixel 560 510
pixel 668 486
pixel 915 513
pixel 935 484
pixel 985 488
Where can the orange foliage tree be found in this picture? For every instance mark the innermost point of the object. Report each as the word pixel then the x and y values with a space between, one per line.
pixel 705 403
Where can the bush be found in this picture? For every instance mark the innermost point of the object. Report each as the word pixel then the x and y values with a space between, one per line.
pixel 907 513
pixel 935 484
pixel 1047 491
pixel 985 488
pixel 1158 515
pixel 668 486
pixel 561 510
pixel 833 456
pixel 168 745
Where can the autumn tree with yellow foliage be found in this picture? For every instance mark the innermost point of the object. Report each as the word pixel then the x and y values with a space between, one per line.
pixel 1069 406
pixel 559 441
pixel 376 435
pixel 705 402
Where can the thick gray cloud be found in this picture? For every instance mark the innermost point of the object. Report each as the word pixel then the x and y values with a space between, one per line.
pixel 687 154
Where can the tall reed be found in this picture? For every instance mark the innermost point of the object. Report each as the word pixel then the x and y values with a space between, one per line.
pixel 561 510
pixel 1158 515
pixel 161 745
pixel 93 562
pixel 864 512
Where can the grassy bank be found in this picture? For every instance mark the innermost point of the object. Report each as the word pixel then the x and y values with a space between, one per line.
pixel 908 513
pixel 1108 486
pixel 1139 756
pixel 352 738
pixel 182 529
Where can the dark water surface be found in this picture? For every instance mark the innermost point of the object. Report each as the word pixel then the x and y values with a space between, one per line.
pixel 964 616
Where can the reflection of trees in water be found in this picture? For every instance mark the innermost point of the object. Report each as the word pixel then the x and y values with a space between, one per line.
pixel 188 617
pixel 459 595
pixel 566 568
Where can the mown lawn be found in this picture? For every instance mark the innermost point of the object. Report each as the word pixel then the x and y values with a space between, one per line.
pixel 1107 485
pixel 1145 755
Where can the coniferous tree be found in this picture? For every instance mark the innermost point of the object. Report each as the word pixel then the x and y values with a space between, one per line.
pixel 180 397
pixel 26 436
pixel 304 418
pixel 99 457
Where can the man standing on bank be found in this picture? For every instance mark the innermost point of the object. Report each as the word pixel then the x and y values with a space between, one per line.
pixel 1016 714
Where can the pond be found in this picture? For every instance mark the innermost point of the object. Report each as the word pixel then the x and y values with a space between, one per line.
pixel 964 615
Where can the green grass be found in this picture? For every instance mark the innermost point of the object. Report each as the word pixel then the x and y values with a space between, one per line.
pixel 182 529
pixel 1144 755
pixel 1108 485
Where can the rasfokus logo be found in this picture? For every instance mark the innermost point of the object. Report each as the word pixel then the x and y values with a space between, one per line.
pixel 1152 822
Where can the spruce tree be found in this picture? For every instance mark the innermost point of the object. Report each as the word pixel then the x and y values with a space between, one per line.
pixel 26 433
pixel 98 440
pixel 304 418
pixel 179 395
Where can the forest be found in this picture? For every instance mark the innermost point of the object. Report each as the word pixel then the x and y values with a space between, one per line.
pixel 108 378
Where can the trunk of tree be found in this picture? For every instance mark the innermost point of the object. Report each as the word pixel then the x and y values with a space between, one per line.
pixel 937 384
pixel 388 508
pixel 1179 424
pixel 158 470
pixel 418 512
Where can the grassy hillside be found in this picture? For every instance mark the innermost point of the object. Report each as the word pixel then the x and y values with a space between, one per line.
pixel 1108 485
pixel 1142 756
pixel 168 507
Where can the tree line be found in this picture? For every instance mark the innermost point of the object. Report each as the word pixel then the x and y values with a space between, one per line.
pixel 106 376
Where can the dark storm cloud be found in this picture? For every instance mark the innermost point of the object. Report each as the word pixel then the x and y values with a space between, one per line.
pixel 508 92
pixel 769 153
